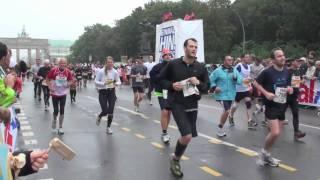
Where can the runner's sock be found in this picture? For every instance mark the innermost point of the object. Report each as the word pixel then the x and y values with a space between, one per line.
pixel 180 148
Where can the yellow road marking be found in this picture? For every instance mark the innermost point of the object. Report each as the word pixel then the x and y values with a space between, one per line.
pixel 126 129
pixel 288 168
pixel 157 145
pixel 247 152
pixel 140 136
pixel 173 127
pixel 210 171
pixel 185 158
pixel 215 141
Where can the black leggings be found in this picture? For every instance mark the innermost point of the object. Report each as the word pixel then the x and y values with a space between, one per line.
pixel 56 101
pixel 37 87
pixel 73 93
pixel 107 100
pixel 293 103
pixel 46 94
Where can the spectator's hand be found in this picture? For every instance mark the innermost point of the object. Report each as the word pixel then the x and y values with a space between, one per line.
pixel 177 86
pixel 38 159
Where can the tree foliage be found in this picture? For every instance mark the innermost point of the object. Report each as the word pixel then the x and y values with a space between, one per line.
pixel 290 24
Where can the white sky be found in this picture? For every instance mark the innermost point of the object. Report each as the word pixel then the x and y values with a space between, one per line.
pixel 61 19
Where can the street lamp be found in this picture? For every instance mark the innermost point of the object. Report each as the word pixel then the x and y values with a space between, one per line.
pixel 243 31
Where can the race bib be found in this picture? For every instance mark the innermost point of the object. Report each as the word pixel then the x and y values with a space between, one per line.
pixel 280 95
pixel 109 83
pixel 61 81
pixel 85 74
pixel 189 89
pixel 165 94
pixel 79 77
pixel 295 81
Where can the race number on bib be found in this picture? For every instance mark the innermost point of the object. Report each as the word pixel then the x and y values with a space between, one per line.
pixel 280 95
pixel 188 88
pixel 61 81
pixel 109 83
pixel 295 81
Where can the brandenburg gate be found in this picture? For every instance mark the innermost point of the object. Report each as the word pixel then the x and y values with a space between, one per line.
pixel 23 41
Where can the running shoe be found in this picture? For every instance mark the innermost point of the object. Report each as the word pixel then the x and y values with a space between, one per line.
pixel 221 132
pixel 252 125
pixel 60 131
pixel 109 130
pixel 286 122
pixel 175 168
pixel 265 158
pixel 165 138
pixel 298 135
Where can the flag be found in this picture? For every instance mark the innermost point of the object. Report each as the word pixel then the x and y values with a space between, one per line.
pixel 167 16
pixel 10 130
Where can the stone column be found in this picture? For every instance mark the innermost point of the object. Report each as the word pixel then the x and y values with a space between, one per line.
pixel 18 55
pixel 37 53
pixel 29 57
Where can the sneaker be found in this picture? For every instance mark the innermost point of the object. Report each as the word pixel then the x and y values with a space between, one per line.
pixel 252 124
pixel 136 109
pixel 175 168
pixel 165 138
pixel 298 135
pixel 54 130
pixel 150 103
pixel 221 132
pixel 265 158
pixel 231 121
pixel 98 121
pixel 60 131
pixel 39 99
pixel 109 130
pixel 46 108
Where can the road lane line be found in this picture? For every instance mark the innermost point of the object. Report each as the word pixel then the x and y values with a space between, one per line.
pixel 156 121
pixel 210 171
pixel 133 112
pixel 22 118
pixel 24 122
pixel 215 141
pixel 24 128
pixel 126 129
pixel 157 145
pixel 314 127
pixel 30 142
pixel 140 136
pixel 27 134
pixel 247 152
pixel 286 167
pixel 173 127
pixel 115 124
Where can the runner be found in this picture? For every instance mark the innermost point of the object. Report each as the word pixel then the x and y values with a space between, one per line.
pixel 223 82
pixel 42 74
pixel 243 91
pixel 256 69
pixel 185 78
pixel 78 71
pixel 296 79
pixel 59 80
pixel 85 75
pixel 149 85
pixel 274 84
pixel 162 94
pixel 138 74
pixel 106 80
pixel 36 81
pixel 73 87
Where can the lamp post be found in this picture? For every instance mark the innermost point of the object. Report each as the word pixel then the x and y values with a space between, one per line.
pixel 243 30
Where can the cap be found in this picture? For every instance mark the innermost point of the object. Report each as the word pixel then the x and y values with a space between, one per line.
pixel 165 51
